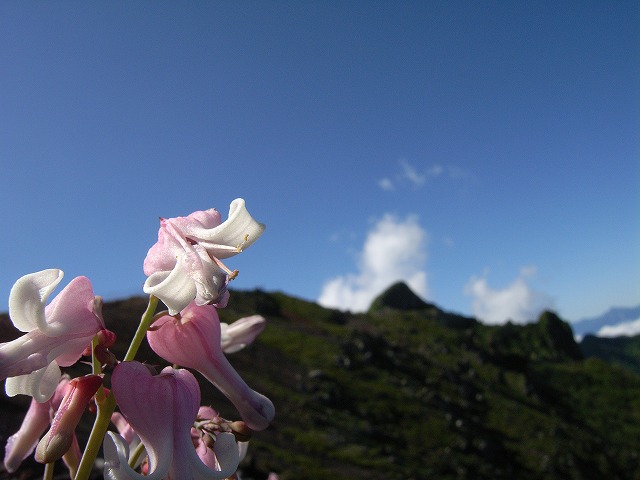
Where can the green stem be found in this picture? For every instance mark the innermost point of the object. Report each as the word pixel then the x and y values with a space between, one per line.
pixel 100 426
pixel 145 323
pixel 96 368
pixel 107 405
pixel 48 471
pixel 135 455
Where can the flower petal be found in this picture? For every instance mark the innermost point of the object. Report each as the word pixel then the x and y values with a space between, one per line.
pixel 174 288
pixel 242 332
pixel 72 311
pixel 144 400
pixel 63 330
pixel 195 343
pixel 238 232
pixel 28 297
pixel 22 443
pixel 198 221
pixel 195 276
pixel 162 255
pixel 226 452
pixel 116 457
pixel 162 410
pixel 40 384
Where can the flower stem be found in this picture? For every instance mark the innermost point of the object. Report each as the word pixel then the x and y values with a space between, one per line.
pixel 100 426
pixel 145 323
pixel 48 471
pixel 135 455
pixel 96 370
pixel 106 405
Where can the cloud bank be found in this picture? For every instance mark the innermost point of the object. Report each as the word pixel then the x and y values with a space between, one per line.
pixel 517 302
pixel 394 250
pixel 627 329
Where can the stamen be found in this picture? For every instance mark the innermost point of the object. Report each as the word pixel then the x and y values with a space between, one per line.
pixel 243 243
pixel 232 274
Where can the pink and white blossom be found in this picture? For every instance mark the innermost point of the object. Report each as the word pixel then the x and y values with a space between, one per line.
pixel 193 340
pixel 162 409
pixel 185 263
pixel 55 334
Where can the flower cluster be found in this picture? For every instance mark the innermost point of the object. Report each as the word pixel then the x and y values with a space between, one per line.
pixel 163 430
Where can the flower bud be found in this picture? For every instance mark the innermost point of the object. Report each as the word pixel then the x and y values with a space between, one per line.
pixel 241 431
pixel 60 436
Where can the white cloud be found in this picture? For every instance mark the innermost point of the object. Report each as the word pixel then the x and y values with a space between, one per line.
pixel 628 329
pixel 393 250
pixel 516 302
pixel 408 174
pixel 386 184
pixel 435 170
pixel 411 174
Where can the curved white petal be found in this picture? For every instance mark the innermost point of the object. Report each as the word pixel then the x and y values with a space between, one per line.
pixel 174 288
pixel 25 354
pixel 40 384
pixel 226 451
pixel 28 298
pixel 236 233
pixel 194 276
pixel 116 466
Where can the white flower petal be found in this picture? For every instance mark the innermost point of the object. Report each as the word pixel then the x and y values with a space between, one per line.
pixel 40 384
pixel 226 451
pixel 175 288
pixel 116 466
pixel 236 233
pixel 29 296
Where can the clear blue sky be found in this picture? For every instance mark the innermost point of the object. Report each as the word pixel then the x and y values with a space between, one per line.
pixel 487 152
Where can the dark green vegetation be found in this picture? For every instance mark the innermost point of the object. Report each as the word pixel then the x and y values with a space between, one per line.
pixel 408 391
pixel 623 351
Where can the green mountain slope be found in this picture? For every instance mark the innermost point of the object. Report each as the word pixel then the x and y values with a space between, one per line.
pixel 623 351
pixel 408 391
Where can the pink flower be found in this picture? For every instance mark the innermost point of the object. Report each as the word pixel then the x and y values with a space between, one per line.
pixel 56 335
pixel 22 443
pixel 242 332
pixel 185 263
pixel 193 341
pixel 162 409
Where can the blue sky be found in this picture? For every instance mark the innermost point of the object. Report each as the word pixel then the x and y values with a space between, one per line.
pixel 486 152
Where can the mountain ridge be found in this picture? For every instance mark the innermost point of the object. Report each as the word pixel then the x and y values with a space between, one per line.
pixel 613 316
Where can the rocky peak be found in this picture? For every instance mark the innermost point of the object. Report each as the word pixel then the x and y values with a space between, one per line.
pixel 398 296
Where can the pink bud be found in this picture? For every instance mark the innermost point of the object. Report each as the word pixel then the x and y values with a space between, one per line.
pixel 60 436
pixel 106 338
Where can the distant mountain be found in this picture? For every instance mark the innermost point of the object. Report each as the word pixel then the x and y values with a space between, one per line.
pixel 398 297
pixel 408 390
pixel 614 316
